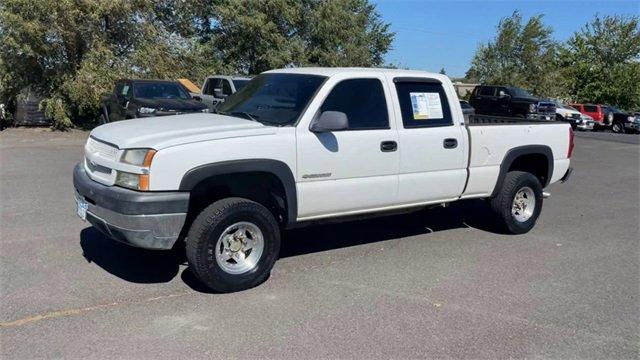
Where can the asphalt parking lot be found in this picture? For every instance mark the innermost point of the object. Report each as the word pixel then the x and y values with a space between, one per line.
pixel 439 283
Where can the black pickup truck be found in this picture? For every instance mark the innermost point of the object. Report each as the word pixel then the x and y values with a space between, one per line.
pixel 510 101
pixel 145 98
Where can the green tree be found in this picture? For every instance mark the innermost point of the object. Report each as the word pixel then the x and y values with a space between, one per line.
pixel 521 54
pixel 601 62
pixel 257 36
pixel 72 51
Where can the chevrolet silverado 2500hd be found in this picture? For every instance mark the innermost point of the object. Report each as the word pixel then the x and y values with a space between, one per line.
pixel 298 145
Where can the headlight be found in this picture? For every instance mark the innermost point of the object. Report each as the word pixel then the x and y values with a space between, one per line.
pixel 205 110
pixel 532 108
pixel 139 157
pixel 146 110
pixel 132 181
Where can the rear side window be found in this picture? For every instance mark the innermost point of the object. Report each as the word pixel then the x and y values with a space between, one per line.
pixel 362 100
pixel 486 91
pixel 423 104
pixel 590 108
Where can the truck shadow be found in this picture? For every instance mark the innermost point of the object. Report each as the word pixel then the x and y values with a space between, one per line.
pixel 146 266
pixel 471 213
pixel 127 262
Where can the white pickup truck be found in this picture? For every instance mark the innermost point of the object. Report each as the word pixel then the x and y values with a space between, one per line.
pixel 298 145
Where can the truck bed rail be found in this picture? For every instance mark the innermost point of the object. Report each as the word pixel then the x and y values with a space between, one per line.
pixel 476 120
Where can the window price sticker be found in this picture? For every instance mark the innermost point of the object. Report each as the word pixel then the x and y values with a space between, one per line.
pixel 426 105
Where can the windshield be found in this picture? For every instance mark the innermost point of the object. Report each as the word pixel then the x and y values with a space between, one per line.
pixel 517 92
pixel 159 90
pixel 240 83
pixel 565 106
pixel 273 98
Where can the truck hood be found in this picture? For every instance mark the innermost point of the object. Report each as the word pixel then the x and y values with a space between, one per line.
pixel 166 131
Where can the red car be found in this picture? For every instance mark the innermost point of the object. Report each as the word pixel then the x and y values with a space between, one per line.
pixel 599 113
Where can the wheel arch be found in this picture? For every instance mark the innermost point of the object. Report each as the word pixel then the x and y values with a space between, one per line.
pixel 258 169
pixel 536 159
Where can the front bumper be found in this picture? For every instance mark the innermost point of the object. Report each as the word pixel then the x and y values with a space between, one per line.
pixel 585 126
pixel 150 220
pixel 632 126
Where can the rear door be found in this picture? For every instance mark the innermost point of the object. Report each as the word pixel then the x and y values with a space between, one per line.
pixel 433 142
pixel 352 170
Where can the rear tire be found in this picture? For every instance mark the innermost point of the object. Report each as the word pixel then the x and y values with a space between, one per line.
pixel 519 202
pixel 233 244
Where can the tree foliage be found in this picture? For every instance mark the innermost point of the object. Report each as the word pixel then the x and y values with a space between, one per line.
pixel 72 51
pixel 600 63
pixel 522 54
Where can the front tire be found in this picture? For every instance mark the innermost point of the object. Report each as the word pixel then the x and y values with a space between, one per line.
pixel 233 244
pixel 519 202
pixel 617 127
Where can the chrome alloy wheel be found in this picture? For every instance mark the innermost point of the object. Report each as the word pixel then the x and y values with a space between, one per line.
pixel 524 203
pixel 239 248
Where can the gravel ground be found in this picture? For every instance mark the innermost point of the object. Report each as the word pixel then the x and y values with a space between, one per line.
pixel 438 283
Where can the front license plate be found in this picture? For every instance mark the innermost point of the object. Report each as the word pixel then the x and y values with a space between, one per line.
pixel 81 209
pixel 547 118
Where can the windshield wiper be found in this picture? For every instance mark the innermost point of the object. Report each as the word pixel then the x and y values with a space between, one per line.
pixel 245 114
pixel 249 116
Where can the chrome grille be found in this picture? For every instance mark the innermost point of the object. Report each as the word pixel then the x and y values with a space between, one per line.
pixel 104 150
pixel 546 107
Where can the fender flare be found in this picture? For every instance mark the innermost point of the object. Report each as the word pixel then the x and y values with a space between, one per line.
pixel 516 152
pixel 278 168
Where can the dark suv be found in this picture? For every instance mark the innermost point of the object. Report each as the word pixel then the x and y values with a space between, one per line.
pixel 145 98
pixel 511 101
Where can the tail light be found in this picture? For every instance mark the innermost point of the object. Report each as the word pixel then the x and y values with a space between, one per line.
pixel 571 144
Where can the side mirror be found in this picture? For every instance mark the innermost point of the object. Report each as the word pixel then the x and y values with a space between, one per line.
pixel 505 96
pixel 218 93
pixel 197 98
pixel 330 121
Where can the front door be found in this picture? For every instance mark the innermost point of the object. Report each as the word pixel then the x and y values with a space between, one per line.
pixel 353 170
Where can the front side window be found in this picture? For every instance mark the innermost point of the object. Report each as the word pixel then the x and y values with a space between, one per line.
pixel 423 104
pixel 160 90
pixel 362 100
pixel 277 99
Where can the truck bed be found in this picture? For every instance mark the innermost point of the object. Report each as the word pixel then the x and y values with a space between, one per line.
pixel 492 137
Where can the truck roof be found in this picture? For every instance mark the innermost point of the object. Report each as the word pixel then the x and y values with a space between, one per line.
pixel 331 71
